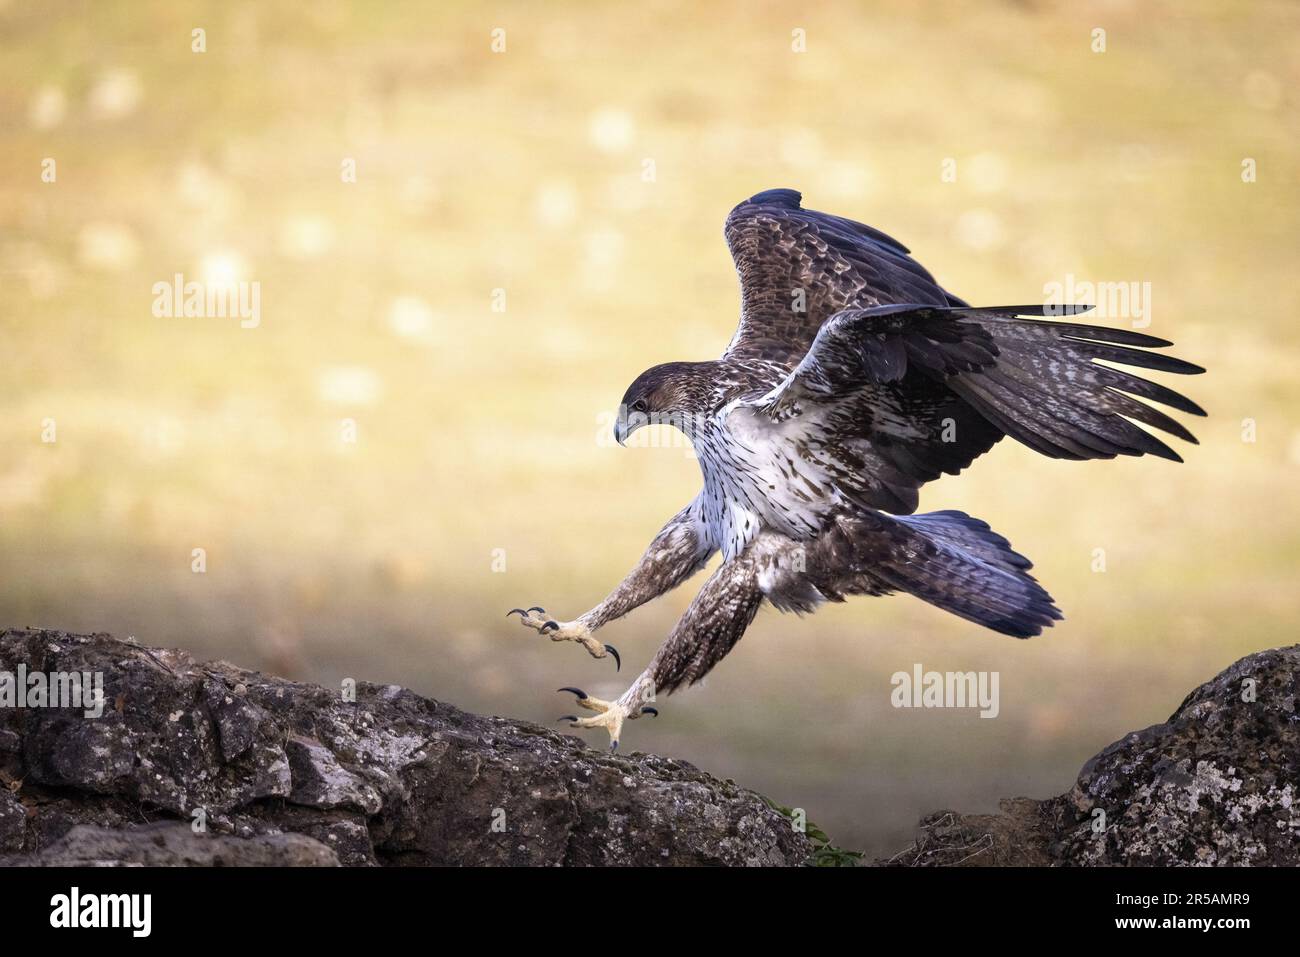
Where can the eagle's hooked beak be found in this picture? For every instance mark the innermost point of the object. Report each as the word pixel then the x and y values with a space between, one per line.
pixel 627 423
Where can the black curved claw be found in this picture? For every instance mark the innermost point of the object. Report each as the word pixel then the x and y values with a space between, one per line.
pixel 618 662
pixel 566 717
pixel 549 626
pixel 577 691
pixel 524 614
pixel 649 710
pixel 613 745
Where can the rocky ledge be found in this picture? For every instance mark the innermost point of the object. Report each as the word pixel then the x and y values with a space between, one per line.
pixel 1216 784
pixel 193 763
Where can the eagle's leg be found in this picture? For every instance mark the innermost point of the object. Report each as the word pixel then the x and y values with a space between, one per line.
pixel 610 715
pixel 677 552
pixel 712 625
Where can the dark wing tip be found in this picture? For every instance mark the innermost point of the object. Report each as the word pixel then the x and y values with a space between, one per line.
pixel 787 198
pixel 1046 310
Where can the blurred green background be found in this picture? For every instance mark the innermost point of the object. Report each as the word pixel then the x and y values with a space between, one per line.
pixel 480 439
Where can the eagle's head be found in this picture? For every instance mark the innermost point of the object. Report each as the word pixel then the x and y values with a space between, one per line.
pixel 662 395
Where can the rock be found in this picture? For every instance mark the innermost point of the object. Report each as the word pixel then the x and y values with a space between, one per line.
pixel 280 772
pixel 949 839
pixel 174 845
pixel 320 781
pixel 1216 784
pixel 293 772
pixel 13 822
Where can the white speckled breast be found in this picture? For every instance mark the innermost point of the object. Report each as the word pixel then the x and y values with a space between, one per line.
pixel 754 481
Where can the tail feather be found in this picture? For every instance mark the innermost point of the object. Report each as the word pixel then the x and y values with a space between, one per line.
pixel 959 564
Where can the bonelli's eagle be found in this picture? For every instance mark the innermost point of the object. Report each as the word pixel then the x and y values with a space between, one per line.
pixel 853 380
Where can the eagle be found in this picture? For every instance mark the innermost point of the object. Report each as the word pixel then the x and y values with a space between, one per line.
pixel 852 380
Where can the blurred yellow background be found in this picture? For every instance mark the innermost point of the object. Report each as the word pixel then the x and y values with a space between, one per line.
pixel 527 231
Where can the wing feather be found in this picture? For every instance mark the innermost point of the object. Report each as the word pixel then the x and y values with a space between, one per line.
pixel 898 381
pixel 798 267
pixel 903 392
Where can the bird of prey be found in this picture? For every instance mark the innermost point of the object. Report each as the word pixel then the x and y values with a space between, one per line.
pixel 852 380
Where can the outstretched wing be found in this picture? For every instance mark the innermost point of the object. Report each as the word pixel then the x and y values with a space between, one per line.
pixel 895 395
pixel 799 267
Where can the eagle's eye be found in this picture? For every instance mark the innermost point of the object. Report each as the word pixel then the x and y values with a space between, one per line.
pixel 637 406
